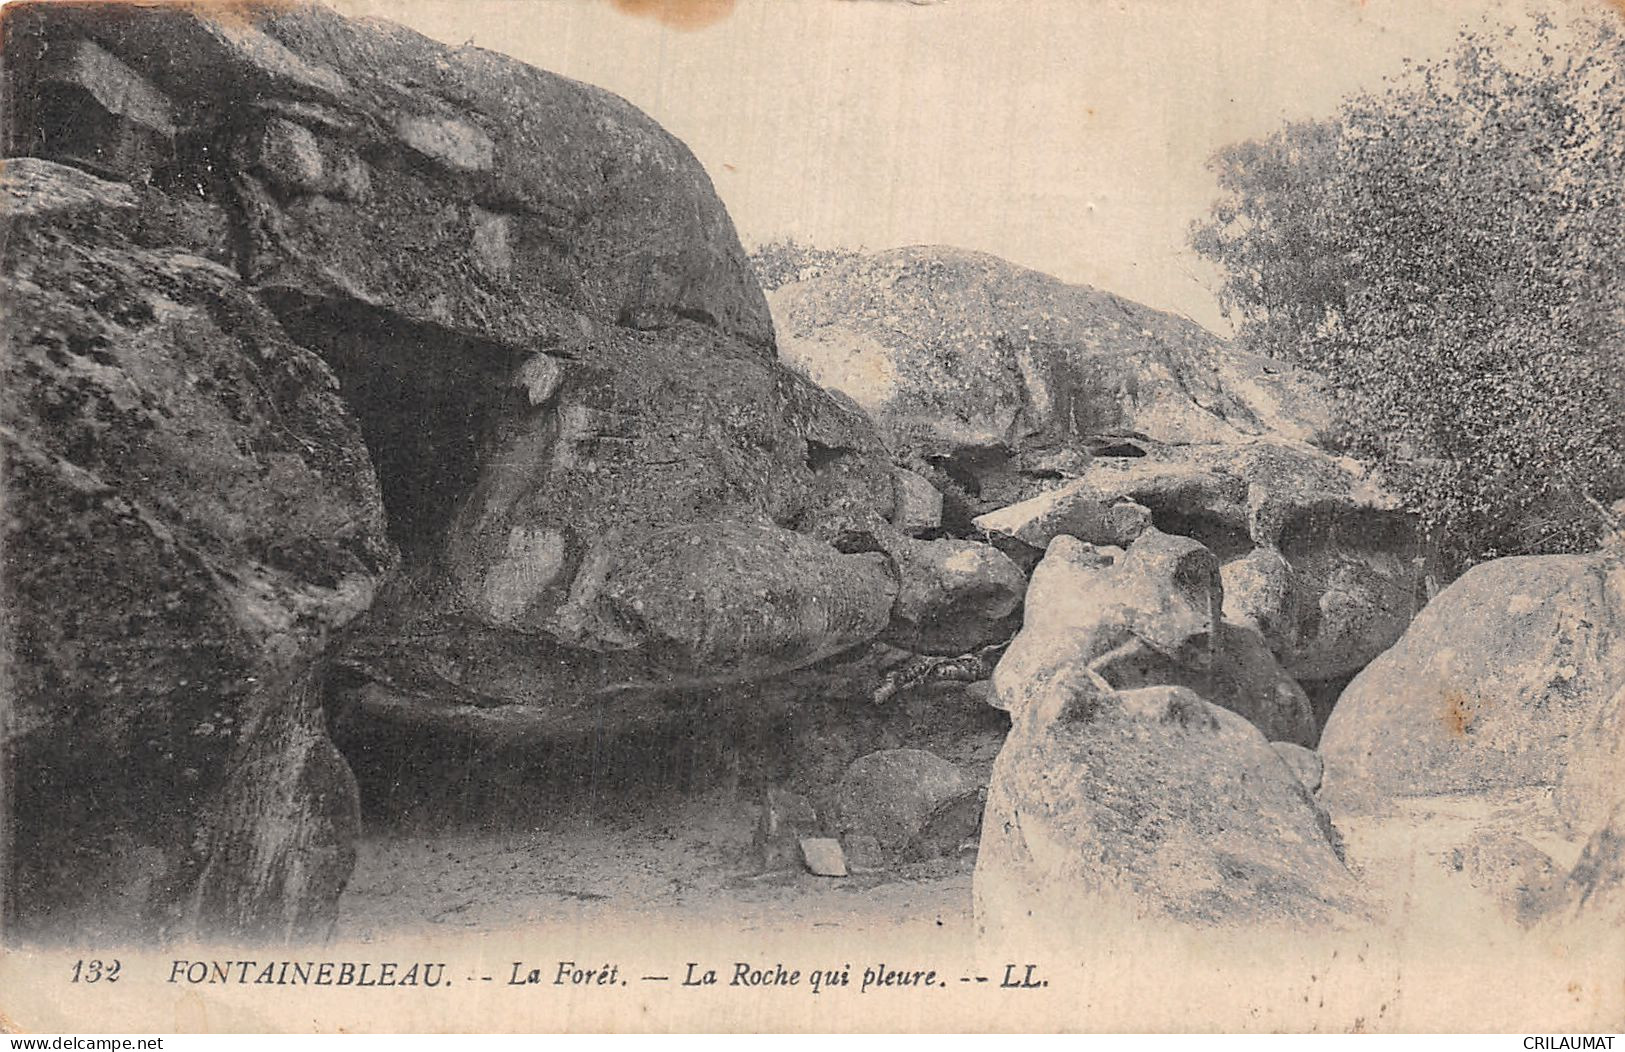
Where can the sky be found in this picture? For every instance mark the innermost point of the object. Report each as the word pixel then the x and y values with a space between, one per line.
pixel 1066 135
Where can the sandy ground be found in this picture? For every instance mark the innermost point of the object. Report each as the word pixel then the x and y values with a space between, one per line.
pixel 659 830
pixel 672 878
pixel 685 860
pixel 655 884
pixel 505 877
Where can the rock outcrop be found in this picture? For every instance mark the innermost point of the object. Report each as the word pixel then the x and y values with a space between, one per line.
pixel 190 514
pixel 1145 616
pixel 349 291
pixel 1316 557
pixel 1499 684
pixel 1489 738
pixel 996 377
pixel 1111 808
pixel 352 375
pixel 1040 409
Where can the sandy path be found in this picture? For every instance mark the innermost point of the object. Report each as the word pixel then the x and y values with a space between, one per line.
pixel 684 861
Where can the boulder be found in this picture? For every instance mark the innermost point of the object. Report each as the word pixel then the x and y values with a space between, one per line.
pixel 190 516
pixel 823 856
pixel 1318 558
pixel 1261 592
pixel 1037 521
pixel 1087 605
pixel 916 804
pixel 918 504
pixel 1001 377
pixel 1112 808
pixel 1504 681
pixel 1486 743
pixel 953 596
pixel 538 312
pixel 1147 615
pixel 1246 679
pixel 731 602
pixel 1305 763
pixel 647 628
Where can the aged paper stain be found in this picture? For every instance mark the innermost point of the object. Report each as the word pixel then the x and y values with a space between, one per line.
pixel 1458 713
pixel 679 14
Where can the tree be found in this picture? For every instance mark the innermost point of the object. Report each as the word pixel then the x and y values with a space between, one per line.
pixel 1450 252
pixel 1270 231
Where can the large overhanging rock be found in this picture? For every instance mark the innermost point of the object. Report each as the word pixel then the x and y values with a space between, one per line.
pixel 370 165
pixel 1109 809
pixel 641 433
pixel 538 313
pixel 498 262
pixel 1149 615
pixel 1317 558
pixel 529 291
pixel 189 514
pixel 998 375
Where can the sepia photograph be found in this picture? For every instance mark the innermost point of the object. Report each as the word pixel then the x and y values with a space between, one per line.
pixel 767 516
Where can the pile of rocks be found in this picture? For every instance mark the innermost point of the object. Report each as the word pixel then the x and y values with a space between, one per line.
pixel 354 379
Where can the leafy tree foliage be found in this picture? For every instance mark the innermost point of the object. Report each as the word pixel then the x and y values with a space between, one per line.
pixel 1450 252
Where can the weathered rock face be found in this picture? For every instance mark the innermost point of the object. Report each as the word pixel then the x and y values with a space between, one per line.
pixel 526 300
pixel 1316 557
pixel 1112 807
pixel 1000 376
pixel 189 514
pixel 953 596
pixel 510 199
pixel 541 316
pixel 1499 684
pixel 661 430
pixel 1488 740
pixel 1593 892
pixel 915 804
pixel 1148 615
pixel 677 600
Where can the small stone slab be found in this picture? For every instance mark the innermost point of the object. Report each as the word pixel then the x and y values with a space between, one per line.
pixel 823 856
